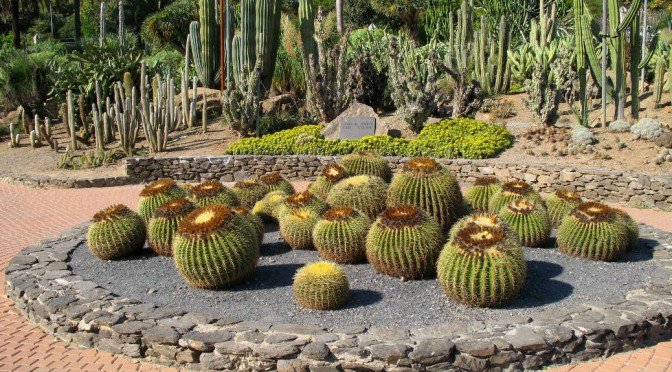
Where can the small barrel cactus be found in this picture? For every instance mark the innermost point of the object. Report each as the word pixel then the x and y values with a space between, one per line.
pixel 296 228
pixel 254 219
pixel 482 267
pixel 321 286
pixel 366 163
pixel 364 193
pixel 267 207
pixel 425 184
pixel 631 224
pixel 163 226
pixel 249 192
pixel 594 231
pixel 116 232
pixel 215 247
pixel 481 219
pixel 302 200
pixel 340 235
pixel 479 194
pixel 276 182
pixel 212 192
pixel 511 191
pixel 529 220
pixel 560 203
pixel 157 193
pixel 404 242
pixel 330 175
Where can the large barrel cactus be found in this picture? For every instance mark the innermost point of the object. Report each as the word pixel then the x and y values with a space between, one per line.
pixel 321 285
pixel 560 203
pixel 631 224
pixel 215 247
pixel 256 221
pixel 340 235
pixel 511 191
pixel 296 228
pixel 267 207
pixel 212 192
pixel 366 163
pixel 276 182
pixel 481 266
pixel 163 226
pixel 479 194
pixel 116 232
pixel 529 220
pixel 594 231
pixel 157 193
pixel 302 200
pixel 249 192
pixel 331 174
pixel 404 242
pixel 426 184
pixel 364 193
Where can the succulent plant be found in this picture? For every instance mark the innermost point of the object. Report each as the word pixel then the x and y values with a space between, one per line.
pixel 479 194
pixel 340 235
pixel 366 163
pixel 331 174
pixel 276 182
pixel 157 193
pixel 582 136
pixel 619 126
pixel 267 207
pixel 404 242
pixel 560 203
pixel 485 219
pixel 163 226
pixel 301 200
pixel 116 232
pixel 482 267
pixel 215 247
pixel 594 231
pixel 364 193
pixel 212 192
pixel 425 184
pixel 296 227
pixel 254 219
pixel 249 192
pixel 321 285
pixel 510 191
pixel 647 129
pixel 529 220
pixel 631 224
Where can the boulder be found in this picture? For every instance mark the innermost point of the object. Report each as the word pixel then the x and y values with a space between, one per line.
pixel 280 104
pixel 332 130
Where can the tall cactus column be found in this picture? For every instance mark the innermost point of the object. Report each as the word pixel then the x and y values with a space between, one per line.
pixel 581 58
pixel 247 34
pixel 204 42
pixel 267 17
pixel 307 27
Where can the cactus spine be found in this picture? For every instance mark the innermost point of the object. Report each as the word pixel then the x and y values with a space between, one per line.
pixel 267 207
pixel 529 220
pixel 296 227
pixel 212 192
pixel 249 192
pixel 321 286
pixel 164 223
pixel 116 232
pixel 331 174
pixel 560 203
pixel 340 235
pixel 479 194
pixel 157 193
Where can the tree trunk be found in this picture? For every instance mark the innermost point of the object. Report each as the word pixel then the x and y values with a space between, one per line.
pixel 339 16
pixel 78 22
pixel 15 24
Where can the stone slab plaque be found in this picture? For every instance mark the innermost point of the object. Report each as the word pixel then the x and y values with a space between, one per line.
pixel 357 127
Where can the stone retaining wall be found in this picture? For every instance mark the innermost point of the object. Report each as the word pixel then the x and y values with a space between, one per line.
pixel 597 184
pixel 43 287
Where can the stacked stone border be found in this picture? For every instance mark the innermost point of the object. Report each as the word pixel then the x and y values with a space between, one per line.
pixel 40 282
pixel 622 187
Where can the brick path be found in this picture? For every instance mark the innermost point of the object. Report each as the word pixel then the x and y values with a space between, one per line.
pixel 28 215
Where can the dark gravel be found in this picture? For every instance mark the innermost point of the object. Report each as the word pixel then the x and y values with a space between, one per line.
pixel 554 281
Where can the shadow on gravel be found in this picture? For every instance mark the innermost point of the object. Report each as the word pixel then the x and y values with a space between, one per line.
pixel 269 277
pixel 361 297
pixel 641 252
pixel 274 249
pixel 540 289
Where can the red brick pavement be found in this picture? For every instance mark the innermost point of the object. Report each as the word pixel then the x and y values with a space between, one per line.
pixel 28 215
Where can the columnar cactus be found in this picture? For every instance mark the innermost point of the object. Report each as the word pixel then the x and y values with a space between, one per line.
pixel 482 267
pixel 302 200
pixel 212 192
pixel 479 194
pixel 254 219
pixel 157 193
pixel 215 247
pixel 631 224
pixel 594 231
pixel 529 220
pixel 426 184
pixel 163 225
pixel 366 163
pixel 267 207
pixel 331 174
pixel 560 203
pixel 340 235
pixel 404 242
pixel 510 191
pixel 116 232
pixel 296 227
pixel 321 286
pixel 249 192
pixel 275 181
pixel 365 193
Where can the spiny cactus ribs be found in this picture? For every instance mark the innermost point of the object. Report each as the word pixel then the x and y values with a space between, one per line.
pixel 267 208
pixel 631 224
pixel 510 191
pixel 157 193
pixel 256 221
pixel 212 192
pixel 340 235
pixel 302 200
pixel 560 203
pixel 330 175
pixel 529 221
pixel 275 182
pixel 116 232
pixel 484 219
pixel 482 267
pixel 425 184
pixel 479 194
pixel 594 231
pixel 366 163
pixel 249 192
pixel 163 226
pixel 215 247
pixel 404 242
pixel 296 227
pixel 321 285
pixel 367 194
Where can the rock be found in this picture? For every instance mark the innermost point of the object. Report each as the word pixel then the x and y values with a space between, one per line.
pixel 277 351
pixel 277 338
pixel 216 362
pixel 186 356
pixel 280 104
pixel 505 357
pixel 332 130
pixel 161 335
pixel 525 339
pixel 252 336
pixel 293 365
pixel 298 329
pixel 432 351
pixel 470 363
pixel 389 353
pixel 232 348
pixel 202 341
pixel 316 351
pixel 23 260
pixel 477 348
pixel 129 328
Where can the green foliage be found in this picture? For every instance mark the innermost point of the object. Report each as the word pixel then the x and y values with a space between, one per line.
pixel 24 79
pixel 116 232
pixel 529 220
pixel 296 227
pixel 249 192
pixel 479 194
pixel 560 203
pixel 90 159
pixel 363 192
pixel 170 25
pixel 215 247
pixel 366 163
pixel 165 62
pixel 340 235
pixel 164 223
pixel 321 286
pixel 157 193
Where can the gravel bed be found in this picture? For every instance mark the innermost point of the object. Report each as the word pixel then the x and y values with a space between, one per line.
pixel 554 281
